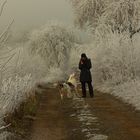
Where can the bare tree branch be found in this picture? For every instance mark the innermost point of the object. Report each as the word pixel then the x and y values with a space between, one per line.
pixel 134 32
pixel 3 36
pixel 2 7
pixel 3 66
pixel 4 127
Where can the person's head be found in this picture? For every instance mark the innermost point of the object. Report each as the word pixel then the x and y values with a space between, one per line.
pixel 83 56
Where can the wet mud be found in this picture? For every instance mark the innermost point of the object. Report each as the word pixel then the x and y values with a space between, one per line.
pixel 100 118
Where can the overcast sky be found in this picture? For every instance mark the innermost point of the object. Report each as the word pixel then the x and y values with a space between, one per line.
pixel 33 13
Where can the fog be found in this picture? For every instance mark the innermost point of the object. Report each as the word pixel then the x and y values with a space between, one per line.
pixel 28 14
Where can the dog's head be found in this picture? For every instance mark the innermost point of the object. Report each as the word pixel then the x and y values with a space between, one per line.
pixel 63 85
pixel 60 85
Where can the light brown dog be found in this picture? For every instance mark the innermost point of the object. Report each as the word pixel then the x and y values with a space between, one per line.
pixel 69 88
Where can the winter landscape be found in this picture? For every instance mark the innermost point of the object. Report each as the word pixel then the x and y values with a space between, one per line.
pixel 40 47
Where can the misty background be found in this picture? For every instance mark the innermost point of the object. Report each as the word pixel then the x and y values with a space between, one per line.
pixel 29 14
pixel 35 51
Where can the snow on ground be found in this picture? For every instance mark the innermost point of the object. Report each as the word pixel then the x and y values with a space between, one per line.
pixel 128 92
pixel 87 120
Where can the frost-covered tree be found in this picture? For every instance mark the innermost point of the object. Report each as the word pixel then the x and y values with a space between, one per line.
pixel 14 87
pixel 3 39
pixel 5 34
pixel 88 11
pixel 121 15
pixel 114 53
pixel 6 56
pixel 53 42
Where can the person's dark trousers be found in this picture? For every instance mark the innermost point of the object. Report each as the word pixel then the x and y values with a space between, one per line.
pixel 84 89
pixel 90 87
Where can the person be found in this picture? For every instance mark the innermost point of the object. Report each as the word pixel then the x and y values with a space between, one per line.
pixel 85 75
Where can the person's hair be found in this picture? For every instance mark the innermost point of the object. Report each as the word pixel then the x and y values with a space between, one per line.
pixel 83 55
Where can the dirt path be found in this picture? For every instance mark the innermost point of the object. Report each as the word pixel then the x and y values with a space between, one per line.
pixel 101 118
pixel 53 121
pixel 119 121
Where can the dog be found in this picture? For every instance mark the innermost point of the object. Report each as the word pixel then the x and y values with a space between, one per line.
pixel 69 88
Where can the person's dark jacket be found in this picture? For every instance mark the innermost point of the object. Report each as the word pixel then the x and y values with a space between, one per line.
pixel 85 66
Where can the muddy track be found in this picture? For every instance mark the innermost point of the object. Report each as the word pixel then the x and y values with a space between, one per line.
pixel 101 118
pixel 119 121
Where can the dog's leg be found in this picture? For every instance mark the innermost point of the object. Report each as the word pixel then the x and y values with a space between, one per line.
pixel 62 97
pixel 61 94
pixel 76 92
pixel 69 92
